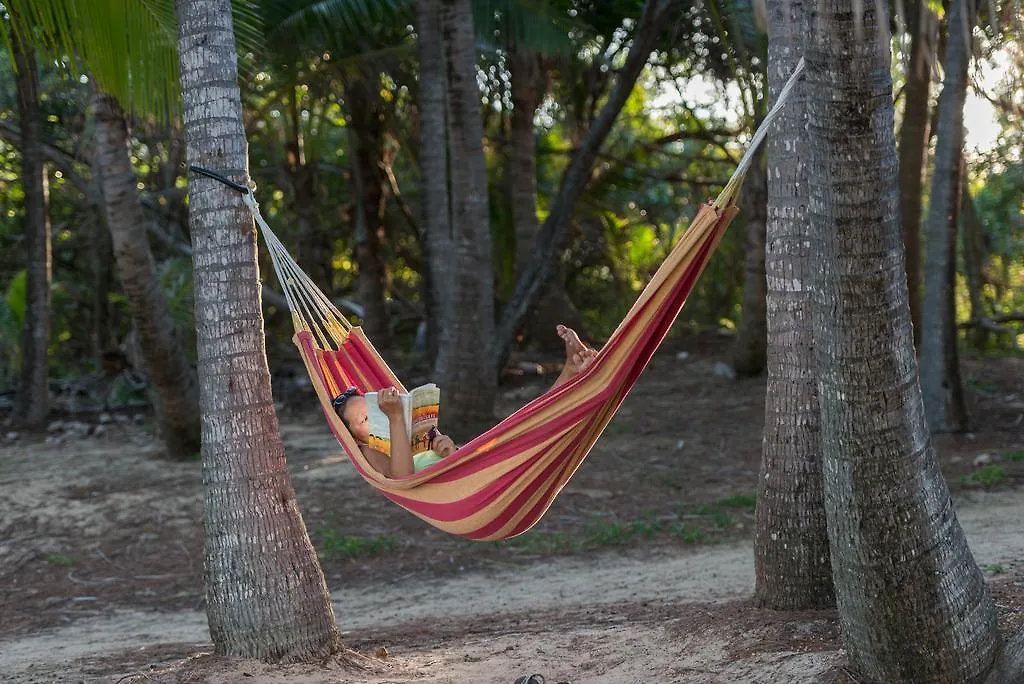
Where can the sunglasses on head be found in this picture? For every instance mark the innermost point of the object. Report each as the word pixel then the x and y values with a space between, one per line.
pixel 340 400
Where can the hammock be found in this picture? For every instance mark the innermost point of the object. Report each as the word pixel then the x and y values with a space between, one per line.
pixel 501 483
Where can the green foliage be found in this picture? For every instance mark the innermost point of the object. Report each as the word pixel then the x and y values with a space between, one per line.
pixel 16 297
pixel 129 47
pixel 990 475
pixel 337 546
pixel 1015 456
pixel 60 560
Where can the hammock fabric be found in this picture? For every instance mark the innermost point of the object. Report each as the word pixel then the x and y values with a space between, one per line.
pixel 500 484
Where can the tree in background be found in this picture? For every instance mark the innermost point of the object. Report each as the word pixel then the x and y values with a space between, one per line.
pixel 940 366
pixel 34 383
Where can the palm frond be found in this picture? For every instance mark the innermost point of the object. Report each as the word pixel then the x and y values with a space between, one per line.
pixel 346 28
pixel 542 26
pixel 129 47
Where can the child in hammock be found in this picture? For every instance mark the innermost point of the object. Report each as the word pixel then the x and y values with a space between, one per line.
pixel 351 408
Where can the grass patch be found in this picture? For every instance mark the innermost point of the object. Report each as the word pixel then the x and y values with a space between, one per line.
pixel 987 476
pixel 1015 456
pixel 994 568
pixel 743 501
pixel 336 546
pixel 693 525
pixel 60 560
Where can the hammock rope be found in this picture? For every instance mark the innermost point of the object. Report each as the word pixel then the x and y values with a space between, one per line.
pixel 500 484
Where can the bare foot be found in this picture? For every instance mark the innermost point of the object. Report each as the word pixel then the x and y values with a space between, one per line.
pixel 578 356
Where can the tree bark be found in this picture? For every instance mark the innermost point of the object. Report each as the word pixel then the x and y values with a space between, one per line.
pixel 33 402
pixel 468 374
pixel 366 131
pixel 913 149
pixel 174 387
pixel 973 237
pixel 554 306
pixel 552 234
pixel 912 602
pixel 434 165
pixel 265 592
pixel 791 552
pixel 940 368
pixel 750 347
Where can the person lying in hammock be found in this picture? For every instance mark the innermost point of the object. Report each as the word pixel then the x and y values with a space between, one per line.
pixel 350 406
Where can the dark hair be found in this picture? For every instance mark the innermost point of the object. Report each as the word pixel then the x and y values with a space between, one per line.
pixel 339 402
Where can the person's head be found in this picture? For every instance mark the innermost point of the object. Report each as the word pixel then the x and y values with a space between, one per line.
pixel 351 408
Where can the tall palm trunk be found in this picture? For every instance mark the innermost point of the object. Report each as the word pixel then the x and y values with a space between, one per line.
pixel 265 592
pixel 791 554
pixel 175 390
pixel 468 375
pixel 912 602
pixel 940 368
pixel 366 129
pixel 33 386
pixel 750 348
pixel 434 169
pixel 912 151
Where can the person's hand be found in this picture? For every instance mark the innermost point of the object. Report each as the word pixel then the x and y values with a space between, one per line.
pixel 443 445
pixel 390 403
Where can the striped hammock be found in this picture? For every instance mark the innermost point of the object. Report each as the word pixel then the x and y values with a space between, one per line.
pixel 500 484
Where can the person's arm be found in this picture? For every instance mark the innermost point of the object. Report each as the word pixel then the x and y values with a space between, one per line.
pixel 380 462
pixel 401 449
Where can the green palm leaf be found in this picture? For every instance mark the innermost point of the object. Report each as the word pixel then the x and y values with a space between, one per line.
pixel 129 47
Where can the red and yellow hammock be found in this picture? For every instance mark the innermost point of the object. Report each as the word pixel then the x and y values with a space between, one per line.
pixel 500 484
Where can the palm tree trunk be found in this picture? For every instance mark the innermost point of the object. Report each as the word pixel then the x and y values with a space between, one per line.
pixel 33 388
pixel 365 138
pixel 750 347
pixel 912 602
pixel 175 390
pixel 524 72
pixel 791 554
pixel 468 375
pixel 940 369
pixel 434 170
pixel 265 592
pixel 912 152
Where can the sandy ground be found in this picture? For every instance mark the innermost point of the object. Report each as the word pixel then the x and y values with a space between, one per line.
pixel 613 618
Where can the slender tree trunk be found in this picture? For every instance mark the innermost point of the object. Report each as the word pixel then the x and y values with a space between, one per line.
pixel 366 132
pixel 175 389
pixel 265 592
pixel 913 149
pixel 468 375
pixel 313 249
pixel 529 287
pixel 33 387
pixel 791 553
pixel 912 602
pixel 940 368
pixel 524 71
pixel 434 165
pixel 972 234
pixel 102 258
pixel 750 348
pixel 554 306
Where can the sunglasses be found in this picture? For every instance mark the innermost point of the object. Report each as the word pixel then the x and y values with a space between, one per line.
pixel 340 400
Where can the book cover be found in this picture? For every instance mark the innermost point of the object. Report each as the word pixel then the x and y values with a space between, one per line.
pixel 420 407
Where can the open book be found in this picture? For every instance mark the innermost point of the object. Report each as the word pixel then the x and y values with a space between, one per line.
pixel 420 407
